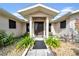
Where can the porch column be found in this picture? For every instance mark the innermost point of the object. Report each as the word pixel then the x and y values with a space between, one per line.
pixel 30 23
pixel 47 27
pixel 44 29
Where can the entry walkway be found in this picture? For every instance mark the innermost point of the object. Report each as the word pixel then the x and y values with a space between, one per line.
pixel 39 49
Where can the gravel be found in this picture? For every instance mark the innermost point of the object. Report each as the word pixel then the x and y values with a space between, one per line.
pixel 66 49
pixel 10 51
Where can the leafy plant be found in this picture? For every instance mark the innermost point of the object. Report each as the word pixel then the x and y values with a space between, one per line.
pixel 9 39
pixel 24 42
pixel 53 41
pixel 2 35
pixel 5 39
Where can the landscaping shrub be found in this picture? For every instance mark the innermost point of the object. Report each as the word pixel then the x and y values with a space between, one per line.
pixel 5 39
pixel 9 39
pixel 53 41
pixel 2 35
pixel 25 42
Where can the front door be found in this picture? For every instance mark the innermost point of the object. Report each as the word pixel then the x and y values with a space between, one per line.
pixel 39 28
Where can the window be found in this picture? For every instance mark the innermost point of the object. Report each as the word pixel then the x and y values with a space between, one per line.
pixel 49 27
pixel 63 24
pixel 12 24
pixel 27 27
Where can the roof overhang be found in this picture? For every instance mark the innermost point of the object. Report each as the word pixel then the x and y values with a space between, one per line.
pixel 61 17
pixel 7 14
pixel 38 7
pixel 76 11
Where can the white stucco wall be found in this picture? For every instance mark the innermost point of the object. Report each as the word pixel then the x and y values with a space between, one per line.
pixel 70 25
pixel 4 25
pixel 60 31
pixel 23 28
pixel 55 28
pixel 38 14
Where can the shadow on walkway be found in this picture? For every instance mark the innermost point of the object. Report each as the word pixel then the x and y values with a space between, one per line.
pixel 39 45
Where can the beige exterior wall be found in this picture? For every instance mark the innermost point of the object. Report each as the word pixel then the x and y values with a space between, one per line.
pixel 55 28
pixel 60 31
pixel 23 27
pixel 38 14
pixel 4 25
pixel 70 24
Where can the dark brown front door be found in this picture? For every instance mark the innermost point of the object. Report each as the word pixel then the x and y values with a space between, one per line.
pixel 38 28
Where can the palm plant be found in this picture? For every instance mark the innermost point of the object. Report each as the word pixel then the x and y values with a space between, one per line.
pixel 53 41
pixel 24 42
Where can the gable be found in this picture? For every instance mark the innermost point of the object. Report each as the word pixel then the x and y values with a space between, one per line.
pixel 39 13
pixel 27 11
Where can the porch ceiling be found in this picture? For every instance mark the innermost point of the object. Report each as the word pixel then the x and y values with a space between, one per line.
pixel 38 7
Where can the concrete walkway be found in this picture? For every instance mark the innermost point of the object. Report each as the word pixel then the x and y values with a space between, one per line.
pixel 39 49
pixel 39 52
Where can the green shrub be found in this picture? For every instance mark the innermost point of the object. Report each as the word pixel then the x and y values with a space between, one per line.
pixel 2 35
pixel 5 39
pixel 9 39
pixel 24 42
pixel 53 41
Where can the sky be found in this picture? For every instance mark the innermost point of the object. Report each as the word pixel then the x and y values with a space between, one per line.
pixel 14 7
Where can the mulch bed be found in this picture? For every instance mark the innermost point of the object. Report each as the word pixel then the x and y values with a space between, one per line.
pixel 10 50
pixel 66 49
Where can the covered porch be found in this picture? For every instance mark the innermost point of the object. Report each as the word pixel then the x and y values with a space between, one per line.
pixel 39 17
pixel 39 27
